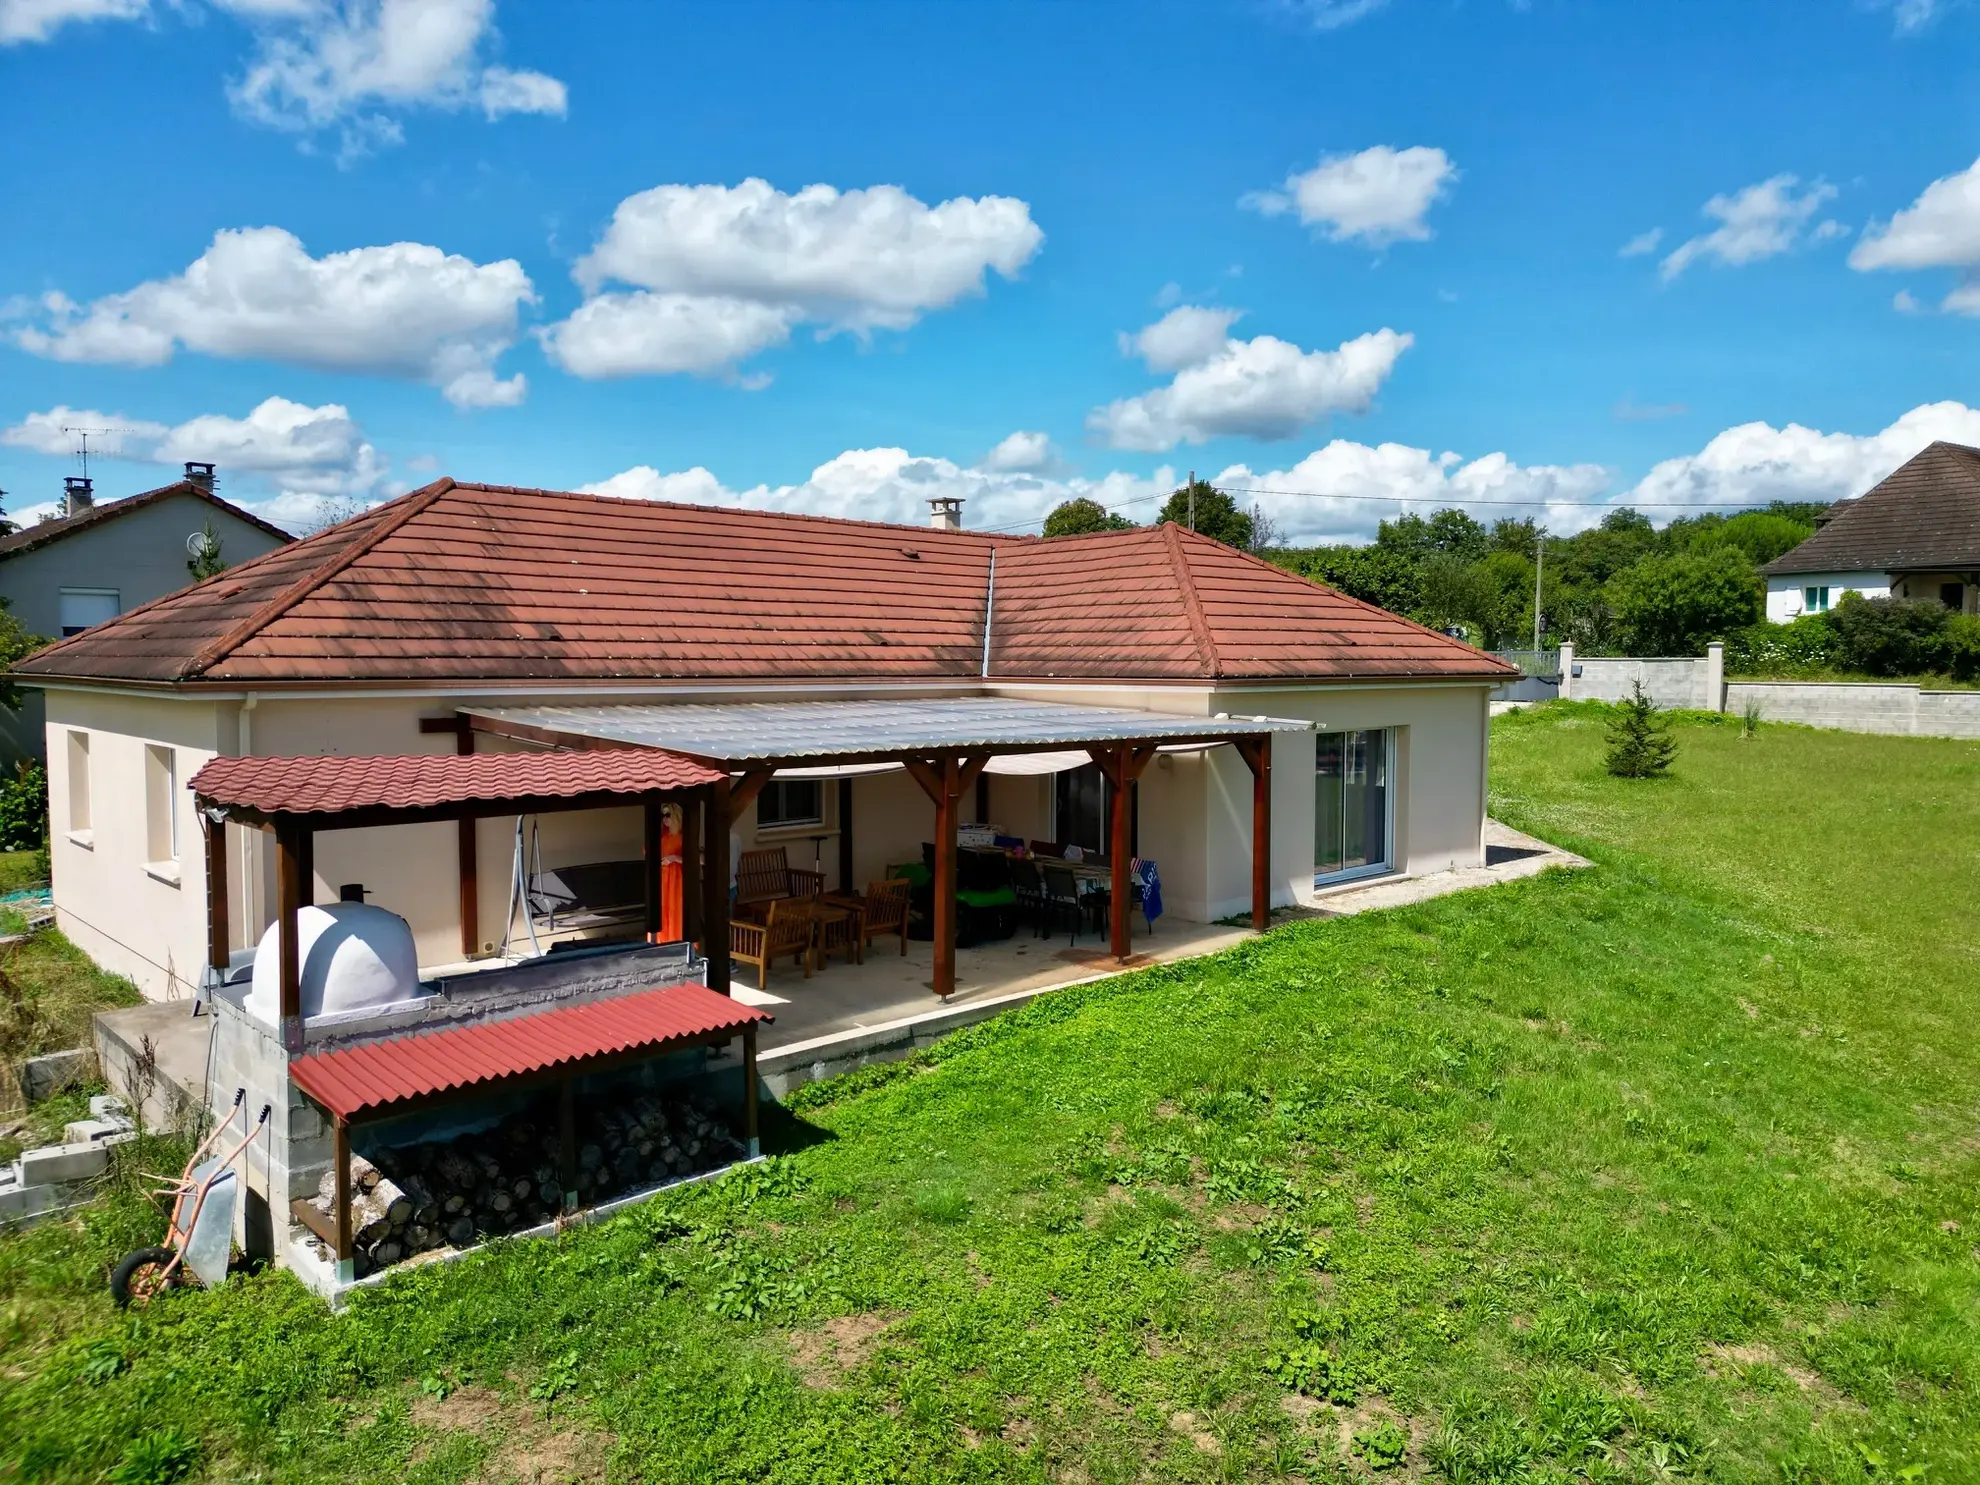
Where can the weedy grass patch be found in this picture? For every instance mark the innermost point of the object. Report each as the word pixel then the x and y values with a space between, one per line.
pixel 1662 1169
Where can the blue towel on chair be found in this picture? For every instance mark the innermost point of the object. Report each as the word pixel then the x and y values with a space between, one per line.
pixel 1151 888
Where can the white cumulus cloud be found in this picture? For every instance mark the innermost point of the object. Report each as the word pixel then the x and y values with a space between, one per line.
pixel 319 63
pixel 1642 245
pixel 1186 336
pixel 1364 485
pixel 1754 463
pixel 402 310
pixel 1379 196
pixel 713 274
pixel 1259 388
pixel 1941 229
pixel 894 485
pixel 286 456
pixel 1022 452
pixel 1761 221
pixel 37 20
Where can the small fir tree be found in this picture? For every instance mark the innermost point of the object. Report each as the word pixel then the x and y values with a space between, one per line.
pixel 1640 742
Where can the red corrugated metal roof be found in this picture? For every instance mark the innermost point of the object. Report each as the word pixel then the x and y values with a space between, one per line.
pixel 483 583
pixel 326 785
pixel 356 1080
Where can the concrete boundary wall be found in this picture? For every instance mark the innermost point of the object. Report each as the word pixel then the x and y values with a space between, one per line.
pixel 1696 683
pixel 1862 706
pixel 1893 708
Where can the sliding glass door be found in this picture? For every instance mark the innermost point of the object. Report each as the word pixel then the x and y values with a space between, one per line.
pixel 1351 804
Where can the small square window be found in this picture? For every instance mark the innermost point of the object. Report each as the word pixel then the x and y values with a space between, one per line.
pixel 790 802
pixel 84 608
pixel 1815 600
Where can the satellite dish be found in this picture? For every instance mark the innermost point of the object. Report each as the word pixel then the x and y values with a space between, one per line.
pixel 200 544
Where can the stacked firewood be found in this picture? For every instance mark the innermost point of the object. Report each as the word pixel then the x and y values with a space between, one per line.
pixel 413 1199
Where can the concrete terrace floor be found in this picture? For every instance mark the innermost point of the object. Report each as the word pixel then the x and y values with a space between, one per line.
pixel 847 1014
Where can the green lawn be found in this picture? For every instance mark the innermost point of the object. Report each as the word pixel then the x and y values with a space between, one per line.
pixel 1663 1169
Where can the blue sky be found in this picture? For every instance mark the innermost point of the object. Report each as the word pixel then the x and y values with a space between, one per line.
pixel 1381 244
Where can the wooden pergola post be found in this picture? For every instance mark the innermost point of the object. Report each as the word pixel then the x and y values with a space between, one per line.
pixel 295 882
pixel 1257 754
pixel 691 867
pixel 1121 766
pixel 653 825
pixel 945 780
pixel 750 1094
pixel 567 1141
pixel 217 906
pixel 340 1152
pixel 715 886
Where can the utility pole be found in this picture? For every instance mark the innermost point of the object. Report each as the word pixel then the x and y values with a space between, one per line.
pixel 1539 566
pixel 1192 500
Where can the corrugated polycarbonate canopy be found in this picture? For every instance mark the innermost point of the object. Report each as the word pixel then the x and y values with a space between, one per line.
pixel 775 731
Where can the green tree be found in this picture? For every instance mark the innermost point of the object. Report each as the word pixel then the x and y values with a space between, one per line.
pixel 1450 531
pixel 1079 516
pixel 1760 534
pixel 15 644
pixel 1673 605
pixel 1373 574
pixel 1640 742
pixel 1217 515
pixel 1455 592
pixel 206 561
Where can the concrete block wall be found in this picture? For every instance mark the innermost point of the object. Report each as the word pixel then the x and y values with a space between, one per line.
pixel 1886 707
pixel 1696 683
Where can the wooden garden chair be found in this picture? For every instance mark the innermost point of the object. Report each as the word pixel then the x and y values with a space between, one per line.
pixel 767 876
pixel 884 911
pixel 786 929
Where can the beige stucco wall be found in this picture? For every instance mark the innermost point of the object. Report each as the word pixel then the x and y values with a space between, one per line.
pixel 134 917
pixel 1195 814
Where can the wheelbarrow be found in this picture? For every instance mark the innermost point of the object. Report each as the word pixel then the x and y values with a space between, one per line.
pixel 199 1241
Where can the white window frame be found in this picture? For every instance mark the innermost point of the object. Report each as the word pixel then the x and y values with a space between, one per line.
pixel 1387 865
pixel 1815 600
pixel 161 811
pixel 80 817
pixel 115 595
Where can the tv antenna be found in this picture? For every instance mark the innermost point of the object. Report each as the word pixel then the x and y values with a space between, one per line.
pixel 85 434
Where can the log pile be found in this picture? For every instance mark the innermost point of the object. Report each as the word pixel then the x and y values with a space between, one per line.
pixel 414 1199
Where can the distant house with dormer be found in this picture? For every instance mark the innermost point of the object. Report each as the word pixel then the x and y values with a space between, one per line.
pixel 1915 535
pixel 95 561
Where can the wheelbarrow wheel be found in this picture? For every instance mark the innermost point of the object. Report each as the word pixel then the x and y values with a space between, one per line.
pixel 140 1277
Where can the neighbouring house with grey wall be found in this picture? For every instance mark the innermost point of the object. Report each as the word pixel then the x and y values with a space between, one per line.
pixel 1914 535
pixel 94 562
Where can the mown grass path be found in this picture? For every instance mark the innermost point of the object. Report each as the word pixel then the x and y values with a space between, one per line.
pixel 1666 1168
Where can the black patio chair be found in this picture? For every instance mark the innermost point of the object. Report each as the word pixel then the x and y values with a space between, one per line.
pixel 1062 896
pixel 1029 888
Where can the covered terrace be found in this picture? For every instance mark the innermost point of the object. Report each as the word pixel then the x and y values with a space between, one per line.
pixel 945 744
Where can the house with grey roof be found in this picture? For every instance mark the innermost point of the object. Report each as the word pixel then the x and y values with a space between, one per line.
pixel 1915 535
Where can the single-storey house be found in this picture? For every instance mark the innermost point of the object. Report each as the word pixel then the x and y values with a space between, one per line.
pixel 1913 535
pixel 843 672
pixel 92 562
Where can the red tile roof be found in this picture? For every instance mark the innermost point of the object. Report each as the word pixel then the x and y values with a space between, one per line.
pixel 325 785
pixel 359 1079
pixel 458 583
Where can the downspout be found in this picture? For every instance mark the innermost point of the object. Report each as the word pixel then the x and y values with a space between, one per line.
pixel 250 878
pixel 989 609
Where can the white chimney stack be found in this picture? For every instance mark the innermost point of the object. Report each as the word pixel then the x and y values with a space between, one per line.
pixel 945 513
